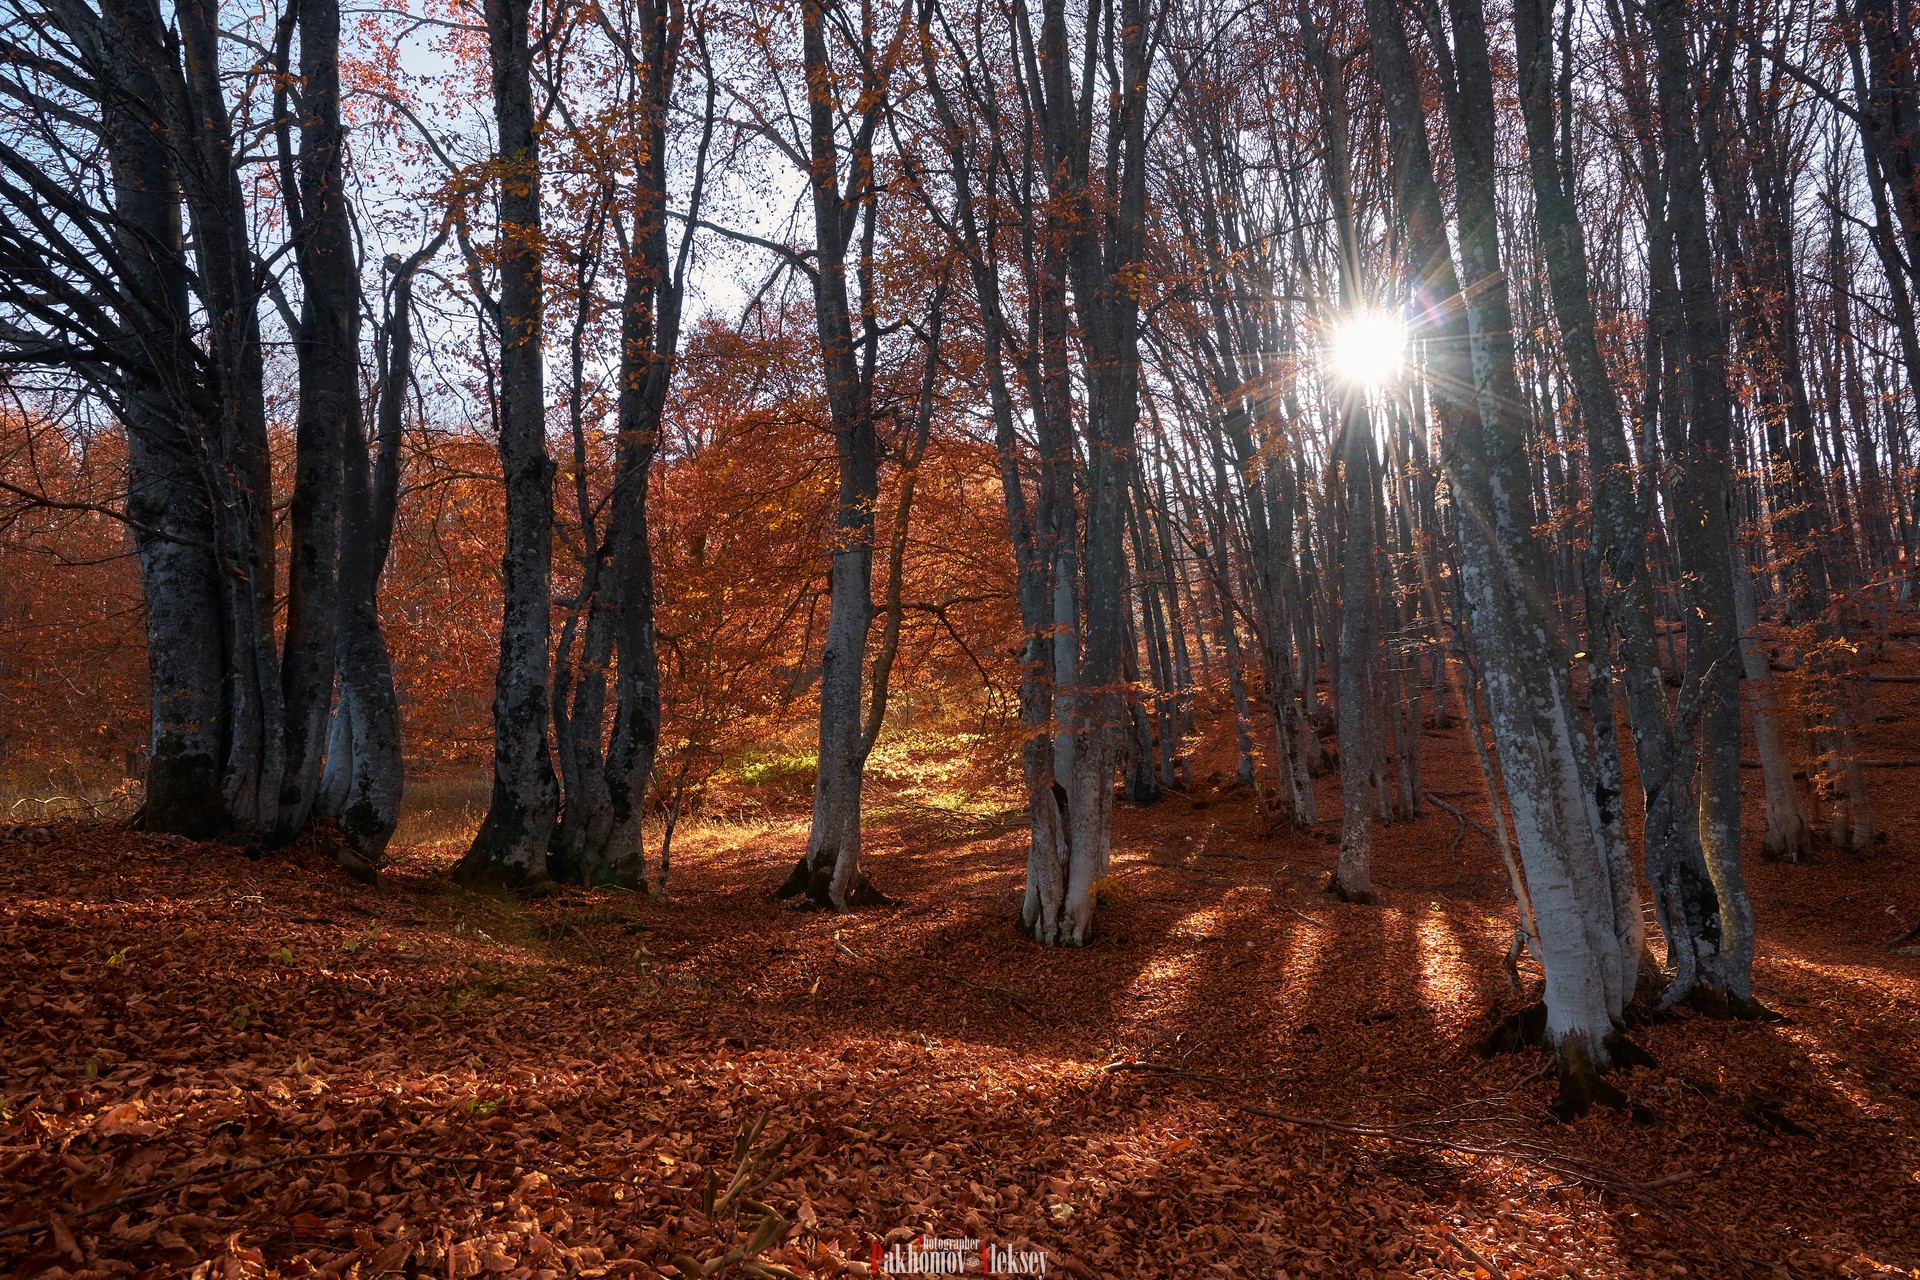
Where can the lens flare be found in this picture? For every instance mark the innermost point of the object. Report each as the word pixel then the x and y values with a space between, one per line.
pixel 1367 349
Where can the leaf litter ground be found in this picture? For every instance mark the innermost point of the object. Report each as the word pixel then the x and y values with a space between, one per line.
pixel 225 1067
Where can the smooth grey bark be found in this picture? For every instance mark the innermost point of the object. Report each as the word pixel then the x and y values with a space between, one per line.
pixel 1705 529
pixel 1042 529
pixel 1588 813
pixel 1582 898
pixel 151 303
pixel 167 497
pixel 329 414
pixel 365 776
pixel 600 841
pixel 599 837
pixel 510 848
pixel 169 507
pixel 1358 698
pixel 1102 238
pixel 236 431
pixel 365 769
pixel 828 871
pixel 580 678
pixel 1685 903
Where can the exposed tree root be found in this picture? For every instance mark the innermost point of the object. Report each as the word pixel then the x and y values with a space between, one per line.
pixel 1581 1080
pixel 1361 897
pixel 489 876
pixel 796 881
pixel 1622 1052
pixel 1581 1084
pixel 1713 1002
pixel 356 866
pixel 817 885
pixel 1517 1031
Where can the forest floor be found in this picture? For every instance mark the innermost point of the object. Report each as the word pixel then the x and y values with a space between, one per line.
pixel 231 1067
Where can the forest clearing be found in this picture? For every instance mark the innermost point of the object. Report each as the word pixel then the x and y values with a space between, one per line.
pixel 595 1054
pixel 1116 638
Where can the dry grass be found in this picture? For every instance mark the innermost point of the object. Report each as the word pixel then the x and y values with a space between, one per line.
pixel 33 792
pixel 441 812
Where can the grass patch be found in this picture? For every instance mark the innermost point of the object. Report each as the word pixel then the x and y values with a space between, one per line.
pixel 774 765
pixel 442 811
pixel 61 793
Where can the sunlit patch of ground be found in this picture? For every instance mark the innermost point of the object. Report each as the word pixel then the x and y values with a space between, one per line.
pixel 543 1088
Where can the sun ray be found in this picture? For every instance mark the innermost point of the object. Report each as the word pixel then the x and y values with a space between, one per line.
pixel 1367 349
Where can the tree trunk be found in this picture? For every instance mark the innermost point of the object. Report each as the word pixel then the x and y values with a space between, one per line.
pixel 365 776
pixel 511 846
pixel 1099 248
pixel 1789 837
pixel 1705 532
pixel 167 495
pixel 1353 875
pixel 1582 896
pixel 827 871
pixel 1684 901
pixel 327 346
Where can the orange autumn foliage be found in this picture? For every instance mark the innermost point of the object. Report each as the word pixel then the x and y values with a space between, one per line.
pixel 72 650
pixel 741 508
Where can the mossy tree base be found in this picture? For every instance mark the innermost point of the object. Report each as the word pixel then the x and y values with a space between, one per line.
pixel 1581 1081
pixel 1580 1068
pixel 816 884
pixel 1359 897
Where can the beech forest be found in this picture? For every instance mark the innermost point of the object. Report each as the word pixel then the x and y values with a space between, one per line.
pixel 1098 638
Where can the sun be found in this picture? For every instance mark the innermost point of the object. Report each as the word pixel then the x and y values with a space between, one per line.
pixel 1367 348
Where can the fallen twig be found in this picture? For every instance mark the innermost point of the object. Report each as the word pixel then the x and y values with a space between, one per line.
pixel 1464 820
pixel 1565 1167
pixel 581 934
pixel 1008 994
pixel 1320 924
pixel 1159 1068
pixel 1492 1267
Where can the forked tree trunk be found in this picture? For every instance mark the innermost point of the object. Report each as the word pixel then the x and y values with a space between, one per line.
pixel 1581 893
pixel 608 769
pixel 826 872
pixel 183 340
pixel 599 841
pixel 327 346
pixel 236 451
pixel 1099 250
pixel 1705 534
pixel 511 846
pixel 365 776
pixel 168 499
pixel 1685 904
